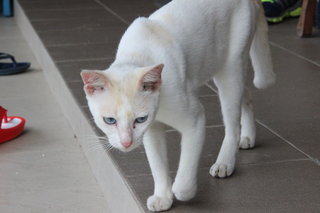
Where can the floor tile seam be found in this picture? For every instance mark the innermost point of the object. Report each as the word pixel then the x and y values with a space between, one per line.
pixel 33 94
pixel 208 96
pixel 172 172
pixel 79 60
pixel 262 163
pixel 275 162
pixel 44 156
pixel 94 21
pixel 295 54
pixel 82 60
pixel 207 127
pixel 213 89
pixel 90 29
pixel 112 12
pixel 44 140
pixel 314 160
pixel 90 192
pixel 79 43
pixel 48 148
pixel 215 126
pixel 58 9
pixel 10 37
pixel 46 118
pixel 12 98
pixel 66 18
pixel 60 19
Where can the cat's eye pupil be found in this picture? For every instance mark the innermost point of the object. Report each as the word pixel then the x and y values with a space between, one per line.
pixel 109 120
pixel 141 119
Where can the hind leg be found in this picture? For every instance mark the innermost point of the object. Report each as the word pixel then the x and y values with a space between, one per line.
pixel 230 84
pixel 248 129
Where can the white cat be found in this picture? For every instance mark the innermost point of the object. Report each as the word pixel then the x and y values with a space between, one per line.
pixel 161 63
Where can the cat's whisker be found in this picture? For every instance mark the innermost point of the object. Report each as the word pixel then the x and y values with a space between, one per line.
pixel 108 147
pixel 96 147
pixel 100 142
pixel 95 142
pixel 90 136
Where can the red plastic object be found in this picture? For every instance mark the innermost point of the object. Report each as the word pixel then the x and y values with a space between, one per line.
pixel 10 126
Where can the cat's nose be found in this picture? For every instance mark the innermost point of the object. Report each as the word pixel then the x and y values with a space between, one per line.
pixel 126 144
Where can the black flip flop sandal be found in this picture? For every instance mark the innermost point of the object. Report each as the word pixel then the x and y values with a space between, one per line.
pixel 12 68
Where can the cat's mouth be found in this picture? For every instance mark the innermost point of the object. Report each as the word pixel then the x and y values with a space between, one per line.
pixel 124 145
pixel 130 148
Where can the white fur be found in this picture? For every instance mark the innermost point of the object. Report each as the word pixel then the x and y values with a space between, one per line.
pixel 196 41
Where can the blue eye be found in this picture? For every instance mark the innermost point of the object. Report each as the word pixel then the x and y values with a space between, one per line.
pixel 109 121
pixel 141 119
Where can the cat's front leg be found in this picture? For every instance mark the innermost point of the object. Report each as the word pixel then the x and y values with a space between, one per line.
pixel 192 127
pixel 155 146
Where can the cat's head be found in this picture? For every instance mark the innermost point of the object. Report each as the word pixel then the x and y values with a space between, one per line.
pixel 123 101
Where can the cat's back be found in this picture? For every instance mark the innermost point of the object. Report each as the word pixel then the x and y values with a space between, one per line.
pixel 205 29
pixel 192 11
pixel 186 18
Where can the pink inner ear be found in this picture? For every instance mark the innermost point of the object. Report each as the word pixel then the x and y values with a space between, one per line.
pixel 151 80
pixel 93 81
pixel 86 76
pixel 90 77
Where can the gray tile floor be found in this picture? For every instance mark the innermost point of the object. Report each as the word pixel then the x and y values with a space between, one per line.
pixel 280 175
pixel 43 170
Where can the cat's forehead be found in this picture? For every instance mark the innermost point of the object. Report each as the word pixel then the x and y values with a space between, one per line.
pixel 119 106
pixel 123 106
pixel 124 80
pixel 121 96
pixel 123 86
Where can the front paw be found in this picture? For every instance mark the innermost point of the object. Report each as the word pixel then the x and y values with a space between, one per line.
pixel 221 170
pixel 156 203
pixel 184 191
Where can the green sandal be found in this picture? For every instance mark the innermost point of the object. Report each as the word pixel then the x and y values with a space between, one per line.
pixel 277 10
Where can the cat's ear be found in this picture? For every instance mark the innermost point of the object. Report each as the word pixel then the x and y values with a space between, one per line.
pixel 151 79
pixel 94 81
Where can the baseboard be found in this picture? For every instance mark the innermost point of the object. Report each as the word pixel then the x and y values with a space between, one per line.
pixel 118 195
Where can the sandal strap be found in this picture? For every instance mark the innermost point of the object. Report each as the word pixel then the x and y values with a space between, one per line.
pixel 3 115
pixel 8 56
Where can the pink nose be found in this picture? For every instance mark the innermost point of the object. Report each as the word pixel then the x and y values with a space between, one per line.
pixel 126 144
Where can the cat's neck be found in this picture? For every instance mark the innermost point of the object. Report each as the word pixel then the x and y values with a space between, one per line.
pixel 143 44
pixel 133 59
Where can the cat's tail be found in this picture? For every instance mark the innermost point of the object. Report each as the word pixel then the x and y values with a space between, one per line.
pixel 260 54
